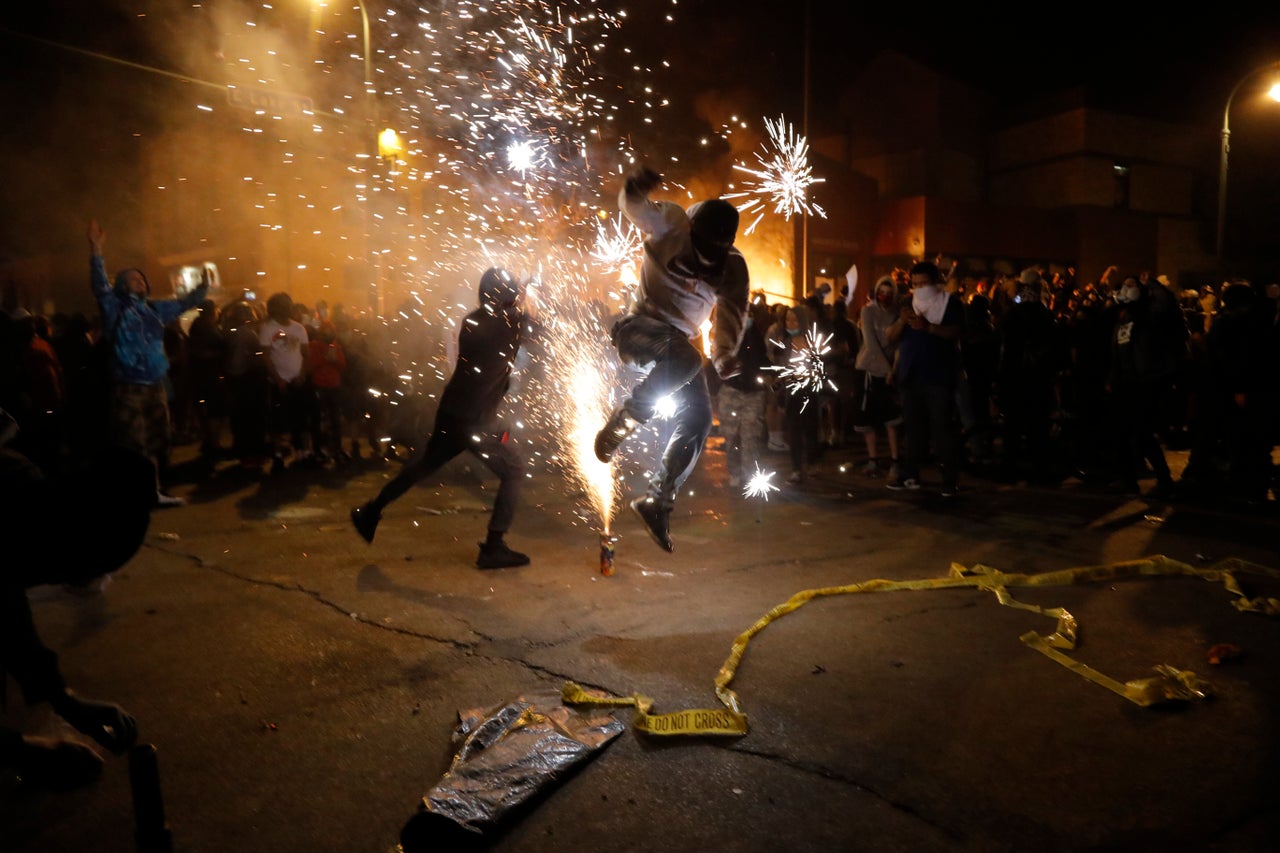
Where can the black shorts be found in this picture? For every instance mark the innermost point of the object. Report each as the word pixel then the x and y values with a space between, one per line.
pixel 875 403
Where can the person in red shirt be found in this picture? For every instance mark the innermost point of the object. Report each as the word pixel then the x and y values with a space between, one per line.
pixel 326 363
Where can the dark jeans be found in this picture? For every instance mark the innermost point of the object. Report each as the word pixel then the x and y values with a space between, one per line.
pixel 801 418
pixel 674 369
pixel 491 444
pixel 1138 413
pixel 292 412
pixel 1028 425
pixel 929 413
pixel 329 412
pixel 248 401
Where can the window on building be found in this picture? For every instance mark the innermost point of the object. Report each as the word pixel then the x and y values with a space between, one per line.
pixel 1121 172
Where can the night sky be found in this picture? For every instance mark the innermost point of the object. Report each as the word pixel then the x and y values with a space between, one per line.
pixel 752 53
pixel 1165 67
pixel 1162 65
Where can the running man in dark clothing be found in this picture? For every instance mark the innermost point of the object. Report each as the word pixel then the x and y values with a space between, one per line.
pixel 467 417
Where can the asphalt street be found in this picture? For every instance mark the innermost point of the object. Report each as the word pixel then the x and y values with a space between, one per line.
pixel 302 688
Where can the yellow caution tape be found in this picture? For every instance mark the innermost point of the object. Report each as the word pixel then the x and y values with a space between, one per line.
pixel 697 721
pixel 1169 684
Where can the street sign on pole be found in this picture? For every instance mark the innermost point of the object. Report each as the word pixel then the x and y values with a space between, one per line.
pixel 276 103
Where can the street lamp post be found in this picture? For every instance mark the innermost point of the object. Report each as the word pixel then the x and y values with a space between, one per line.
pixel 372 118
pixel 368 61
pixel 1226 148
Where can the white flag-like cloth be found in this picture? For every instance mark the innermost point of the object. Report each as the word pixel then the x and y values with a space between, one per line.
pixel 850 276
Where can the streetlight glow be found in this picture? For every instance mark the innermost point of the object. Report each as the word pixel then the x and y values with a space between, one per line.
pixel 389 144
pixel 1274 93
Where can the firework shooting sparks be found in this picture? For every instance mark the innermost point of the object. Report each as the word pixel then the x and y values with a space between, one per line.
pixel 760 484
pixel 783 178
pixel 805 373
pixel 381 155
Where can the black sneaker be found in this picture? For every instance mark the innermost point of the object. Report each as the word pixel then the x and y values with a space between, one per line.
pixel 899 484
pixel 499 556
pixel 656 521
pixel 366 521
pixel 615 431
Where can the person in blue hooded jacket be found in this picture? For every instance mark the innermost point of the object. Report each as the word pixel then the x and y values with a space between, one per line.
pixel 133 326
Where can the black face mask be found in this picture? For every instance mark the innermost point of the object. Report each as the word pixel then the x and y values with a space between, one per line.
pixel 698 265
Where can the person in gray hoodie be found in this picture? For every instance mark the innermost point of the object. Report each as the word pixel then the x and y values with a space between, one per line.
pixel 690 268
pixel 133 325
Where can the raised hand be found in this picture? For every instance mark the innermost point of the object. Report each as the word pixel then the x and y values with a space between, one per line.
pixel 97 236
pixel 642 180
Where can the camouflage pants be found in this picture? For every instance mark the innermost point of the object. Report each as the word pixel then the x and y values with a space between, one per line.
pixel 140 418
pixel 742 425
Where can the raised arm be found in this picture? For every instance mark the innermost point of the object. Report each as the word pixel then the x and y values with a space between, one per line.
pixel 99 284
pixel 633 200
pixel 97 236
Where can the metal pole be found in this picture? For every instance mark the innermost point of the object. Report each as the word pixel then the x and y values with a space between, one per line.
pixel 1222 172
pixel 372 119
pixel 368 73
pixel 804 222
pixel 1222 162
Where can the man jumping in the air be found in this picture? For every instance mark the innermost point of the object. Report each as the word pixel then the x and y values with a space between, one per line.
pixel 690 267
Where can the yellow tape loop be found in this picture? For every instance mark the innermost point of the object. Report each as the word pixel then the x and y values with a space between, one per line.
pixel 1169 683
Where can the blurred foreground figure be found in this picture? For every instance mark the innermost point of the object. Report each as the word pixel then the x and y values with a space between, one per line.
pixel 467 417
pixel 70 530
pixel 690 268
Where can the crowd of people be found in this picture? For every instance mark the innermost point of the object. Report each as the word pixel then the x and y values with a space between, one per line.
pixel 270 384
pixel 1027 377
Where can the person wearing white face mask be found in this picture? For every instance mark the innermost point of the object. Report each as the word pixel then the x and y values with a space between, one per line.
pixel 926 372
pixel 876 405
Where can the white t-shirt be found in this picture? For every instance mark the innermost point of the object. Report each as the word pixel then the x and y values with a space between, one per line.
pixel 286 346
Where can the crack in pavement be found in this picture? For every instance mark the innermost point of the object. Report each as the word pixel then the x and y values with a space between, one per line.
pixel 824 772
pixel 468 647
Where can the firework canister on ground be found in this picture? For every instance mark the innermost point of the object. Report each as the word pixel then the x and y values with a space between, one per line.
pixel 606 553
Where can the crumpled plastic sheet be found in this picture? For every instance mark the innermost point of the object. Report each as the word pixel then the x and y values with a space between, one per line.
pixel 509 753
